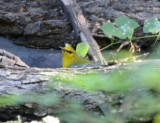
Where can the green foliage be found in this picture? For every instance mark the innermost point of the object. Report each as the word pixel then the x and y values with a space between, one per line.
pixel 82 49
pixel 110 30
pixel 151 25
pixel 117 80
pixel 125 21
pixel 48 99
pixel 125 28
pixel 134 82
pixel 8 100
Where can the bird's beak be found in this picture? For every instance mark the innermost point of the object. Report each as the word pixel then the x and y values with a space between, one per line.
pixel 62 48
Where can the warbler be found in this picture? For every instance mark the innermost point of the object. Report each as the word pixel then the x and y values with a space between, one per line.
pixel 70 57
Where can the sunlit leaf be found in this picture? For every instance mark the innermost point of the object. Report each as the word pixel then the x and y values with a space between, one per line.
pixel 125 28
pixel 151 25
pixel 125 22
pixel 82 49
pixel 111 31
pixel 126 32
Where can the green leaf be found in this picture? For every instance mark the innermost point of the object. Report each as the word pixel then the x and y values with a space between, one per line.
pixel 82 49
pixel 126 32
pixel 124 21
pixel 125 28
pixel 151 25
pixel 111 31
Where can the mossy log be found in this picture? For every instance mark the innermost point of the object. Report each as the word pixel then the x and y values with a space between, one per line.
pixel 16 81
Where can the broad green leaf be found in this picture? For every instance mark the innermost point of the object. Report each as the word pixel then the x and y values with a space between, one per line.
pixel 110 30
pixel 126 22
pixel 126 32
pixel 151 25
pixel 82 49
pixel 125 28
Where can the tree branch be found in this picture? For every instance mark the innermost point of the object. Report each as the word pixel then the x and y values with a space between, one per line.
pixel 81 30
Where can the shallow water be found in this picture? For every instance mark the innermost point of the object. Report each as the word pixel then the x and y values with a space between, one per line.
pixel 43 58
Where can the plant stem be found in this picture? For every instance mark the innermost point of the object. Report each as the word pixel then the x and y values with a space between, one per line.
pixel 111 45
pixel 157 38
pixel 148 36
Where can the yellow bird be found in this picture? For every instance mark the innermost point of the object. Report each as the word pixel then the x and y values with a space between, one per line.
pixel 70 57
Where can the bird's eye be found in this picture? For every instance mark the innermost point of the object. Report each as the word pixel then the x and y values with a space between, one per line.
pixel 70 52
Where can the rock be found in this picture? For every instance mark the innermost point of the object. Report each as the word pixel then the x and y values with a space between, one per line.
pixel 34 23
pixel 9 24
pixel 47 33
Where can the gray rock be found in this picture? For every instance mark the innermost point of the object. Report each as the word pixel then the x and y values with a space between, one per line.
pixel 34 23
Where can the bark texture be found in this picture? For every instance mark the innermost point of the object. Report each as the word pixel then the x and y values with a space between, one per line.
pixel 43 23
pixel 31 81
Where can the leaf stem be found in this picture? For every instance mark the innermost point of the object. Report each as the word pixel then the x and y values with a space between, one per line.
pixel 111 45
pixel 157 38
pixel 148 36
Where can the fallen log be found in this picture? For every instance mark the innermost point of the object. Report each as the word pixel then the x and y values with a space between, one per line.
pixel 27 83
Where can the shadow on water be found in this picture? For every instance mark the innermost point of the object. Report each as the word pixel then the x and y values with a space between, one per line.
pixel 42 58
